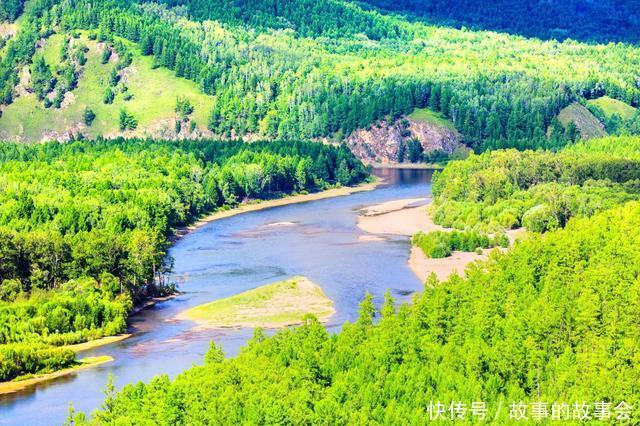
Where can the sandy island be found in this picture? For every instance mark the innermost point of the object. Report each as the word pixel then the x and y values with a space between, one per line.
pixel 272 305
pixel 399 217
pixel 257 205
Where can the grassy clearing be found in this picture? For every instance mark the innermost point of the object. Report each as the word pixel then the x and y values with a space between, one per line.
pixel 24 382
pixel 612 106
pixel 270 306
pixel 154 96
pixel 425 115
pixel 587 123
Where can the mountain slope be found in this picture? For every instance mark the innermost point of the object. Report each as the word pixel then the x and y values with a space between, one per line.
pixel 301 69
pixel 601 21
pixel 152 92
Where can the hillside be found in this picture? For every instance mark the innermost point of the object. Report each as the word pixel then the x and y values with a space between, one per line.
pixel 611 107
pixel 602 21
pixel 150 96
pixel 309 70
pixel 587 124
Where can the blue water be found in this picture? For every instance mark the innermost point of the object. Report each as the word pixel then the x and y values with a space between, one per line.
pixel 319 240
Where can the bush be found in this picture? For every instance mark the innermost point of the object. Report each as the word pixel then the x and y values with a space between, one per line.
pixel 540 219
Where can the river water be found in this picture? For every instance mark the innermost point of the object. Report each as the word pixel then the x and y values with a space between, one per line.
pixel 319 240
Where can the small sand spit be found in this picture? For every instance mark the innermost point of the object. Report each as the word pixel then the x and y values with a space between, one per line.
pixel 398 218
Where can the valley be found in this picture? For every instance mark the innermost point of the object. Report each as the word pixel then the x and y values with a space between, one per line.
pixel 319 212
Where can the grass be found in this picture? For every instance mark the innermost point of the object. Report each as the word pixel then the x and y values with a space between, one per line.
pixel 425 115
pixel 612 106
pixel 589 126
pixel 273 305
pixel 154 96
pixel 23 382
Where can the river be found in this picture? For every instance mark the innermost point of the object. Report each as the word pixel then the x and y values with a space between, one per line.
pixel 319 240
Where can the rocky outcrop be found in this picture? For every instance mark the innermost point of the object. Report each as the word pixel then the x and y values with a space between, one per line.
pixel 381 142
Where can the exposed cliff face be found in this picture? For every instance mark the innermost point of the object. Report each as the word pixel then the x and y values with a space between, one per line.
pixel 381 142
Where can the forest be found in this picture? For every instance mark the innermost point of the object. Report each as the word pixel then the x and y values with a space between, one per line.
pixel 552 321
pixel 602 21
pixel 539 190
pixel 84 226
pixel 332 67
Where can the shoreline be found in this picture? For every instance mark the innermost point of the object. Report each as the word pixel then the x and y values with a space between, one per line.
pixel 259 205
pixel 7 388
pixel 404 218
pixel 92 344
pixel 407 166
pixel 271 306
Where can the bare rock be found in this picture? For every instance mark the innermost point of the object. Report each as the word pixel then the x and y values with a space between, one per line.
pixel 380 143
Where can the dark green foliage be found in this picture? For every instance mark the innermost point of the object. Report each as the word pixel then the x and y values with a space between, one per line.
pixel 109 96
pixel 127 121
pixel 41 77
pixel 262 87
pixel 415 151
pixel 553 320
pixel 88 116
pixel 602 21
pixel 10 9
pixel 184 108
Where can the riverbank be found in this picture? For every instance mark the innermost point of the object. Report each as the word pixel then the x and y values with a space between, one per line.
pixel 419 166
pixel 398 217
pixel 92 344
pixel 274 305
pixel 409 216
pixel 20 384
pixel 258 205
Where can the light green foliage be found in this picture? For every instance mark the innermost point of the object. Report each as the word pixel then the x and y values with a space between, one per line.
pixel 610 107
pixel 500 189
pixel 553 320
pixel 439 244
pixel 426 115
pixel 276 304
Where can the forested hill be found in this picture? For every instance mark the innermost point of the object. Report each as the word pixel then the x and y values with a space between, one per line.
pixel 599 21
pixel 288 69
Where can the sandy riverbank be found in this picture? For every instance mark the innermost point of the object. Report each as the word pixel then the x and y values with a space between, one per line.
pixel 274 305
pixel 267 204
pixel 15 386
pixel 92 344
pixel 399 217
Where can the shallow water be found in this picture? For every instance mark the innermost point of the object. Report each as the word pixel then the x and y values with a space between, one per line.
pixel 319 240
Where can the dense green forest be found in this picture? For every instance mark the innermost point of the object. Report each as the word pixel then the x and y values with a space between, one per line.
pixel 601 21
pixel 552 321
pixel 537 189
pixel 302 69
pixel 10 9
pixel 84 225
